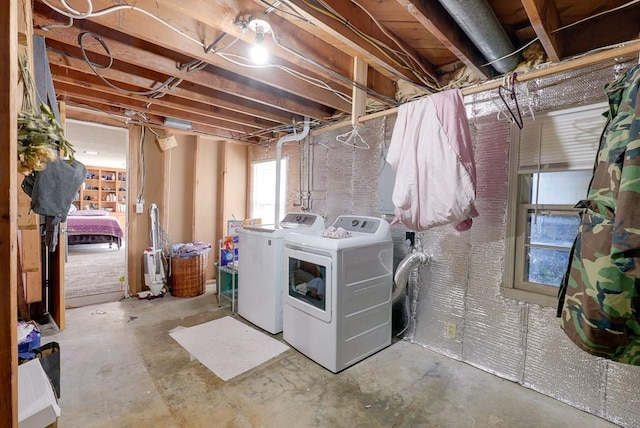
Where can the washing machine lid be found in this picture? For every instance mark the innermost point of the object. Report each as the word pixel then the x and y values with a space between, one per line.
pixel 299 222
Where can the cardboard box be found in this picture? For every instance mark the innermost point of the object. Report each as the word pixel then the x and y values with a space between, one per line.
pixel 37 404
pixel 233 227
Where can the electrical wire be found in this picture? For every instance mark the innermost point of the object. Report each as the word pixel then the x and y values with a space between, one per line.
pixel 346 80
pixel 73 14
pixel 512 53
pixel 274 6
pixel 198 64
pixel 94 67
pixel 282 128
pixel 50 26
pixel 308 79
pixel 124 118
pixel 630 3
pixel 319 83
pixel 327 11
pixel 154 132
pixel 395 40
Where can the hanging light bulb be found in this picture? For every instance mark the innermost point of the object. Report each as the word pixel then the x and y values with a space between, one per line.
pixel 259 53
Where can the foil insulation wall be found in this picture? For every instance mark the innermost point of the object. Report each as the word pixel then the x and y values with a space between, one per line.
pixel 462 283
pixel 346 175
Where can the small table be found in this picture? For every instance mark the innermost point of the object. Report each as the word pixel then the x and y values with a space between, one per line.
pixel 230 294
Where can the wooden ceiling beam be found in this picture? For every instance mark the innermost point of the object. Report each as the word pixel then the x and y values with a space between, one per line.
pixel 544 18
pixel 89 114
pixel 136 25
pixel 89 92
pixel 361 47
pixel 314 52
pixel 257 97
pixel 148 79
pixel 152 120
pixel 605 30
pixel 77 106
pixel 189 101
pixel 439 23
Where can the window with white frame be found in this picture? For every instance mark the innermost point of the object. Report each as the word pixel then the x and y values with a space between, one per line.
pixel 263 189
pixel 551 166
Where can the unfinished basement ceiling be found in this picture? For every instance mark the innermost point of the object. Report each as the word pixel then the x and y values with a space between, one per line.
pixel 190 60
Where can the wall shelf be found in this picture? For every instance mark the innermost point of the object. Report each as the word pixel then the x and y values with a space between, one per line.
pixel 104 189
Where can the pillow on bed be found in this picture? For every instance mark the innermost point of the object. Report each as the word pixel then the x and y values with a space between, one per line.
pixel 89 213
pixel 72 209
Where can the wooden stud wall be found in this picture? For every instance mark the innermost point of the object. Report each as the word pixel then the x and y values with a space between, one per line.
pixel 8 212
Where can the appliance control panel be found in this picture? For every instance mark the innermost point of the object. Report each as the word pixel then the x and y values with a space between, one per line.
pixel 358 224
pixel 293 220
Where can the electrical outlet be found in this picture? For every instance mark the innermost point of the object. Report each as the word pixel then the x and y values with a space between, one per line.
pixel 450 329
pixel 410 237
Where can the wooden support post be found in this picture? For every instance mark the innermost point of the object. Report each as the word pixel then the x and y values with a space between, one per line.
pixel 31 264
pixel 359 101
pixel 8 212
pixel 134 246
pixel 27 219
pixel 249 166
pixel 21 277
pixel 56 285
pixel 163 205
pixel 222 173
pixel 195 189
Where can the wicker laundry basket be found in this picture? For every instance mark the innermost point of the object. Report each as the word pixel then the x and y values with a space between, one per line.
pixel 188 275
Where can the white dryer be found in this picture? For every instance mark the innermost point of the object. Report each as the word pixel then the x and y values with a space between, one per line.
pixel 337 308
pixel 261 280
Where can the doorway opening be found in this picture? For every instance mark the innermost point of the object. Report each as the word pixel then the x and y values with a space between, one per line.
pixel 96 229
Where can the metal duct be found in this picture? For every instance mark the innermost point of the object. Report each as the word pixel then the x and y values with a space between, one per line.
pixel 399 298
pixel 401 277
pixel 477 20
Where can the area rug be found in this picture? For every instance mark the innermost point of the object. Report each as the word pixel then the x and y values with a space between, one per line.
pixel 227 346
pixel 94 269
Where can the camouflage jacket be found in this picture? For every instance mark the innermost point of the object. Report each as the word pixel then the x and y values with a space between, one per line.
pixel 599 301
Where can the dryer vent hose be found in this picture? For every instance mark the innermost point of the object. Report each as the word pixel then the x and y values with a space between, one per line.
pixel 401 278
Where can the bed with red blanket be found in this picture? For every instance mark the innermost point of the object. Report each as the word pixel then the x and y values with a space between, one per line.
pixel 93 227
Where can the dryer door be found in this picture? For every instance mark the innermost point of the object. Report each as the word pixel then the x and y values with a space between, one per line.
pixel 310 281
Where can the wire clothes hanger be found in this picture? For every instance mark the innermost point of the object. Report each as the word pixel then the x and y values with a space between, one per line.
pixel 511 91
pixel 353 138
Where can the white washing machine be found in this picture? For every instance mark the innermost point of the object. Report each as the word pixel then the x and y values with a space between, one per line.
pixel 261 280
pixel 337 308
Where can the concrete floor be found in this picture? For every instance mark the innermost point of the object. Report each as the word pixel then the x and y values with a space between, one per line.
pixel 120 368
